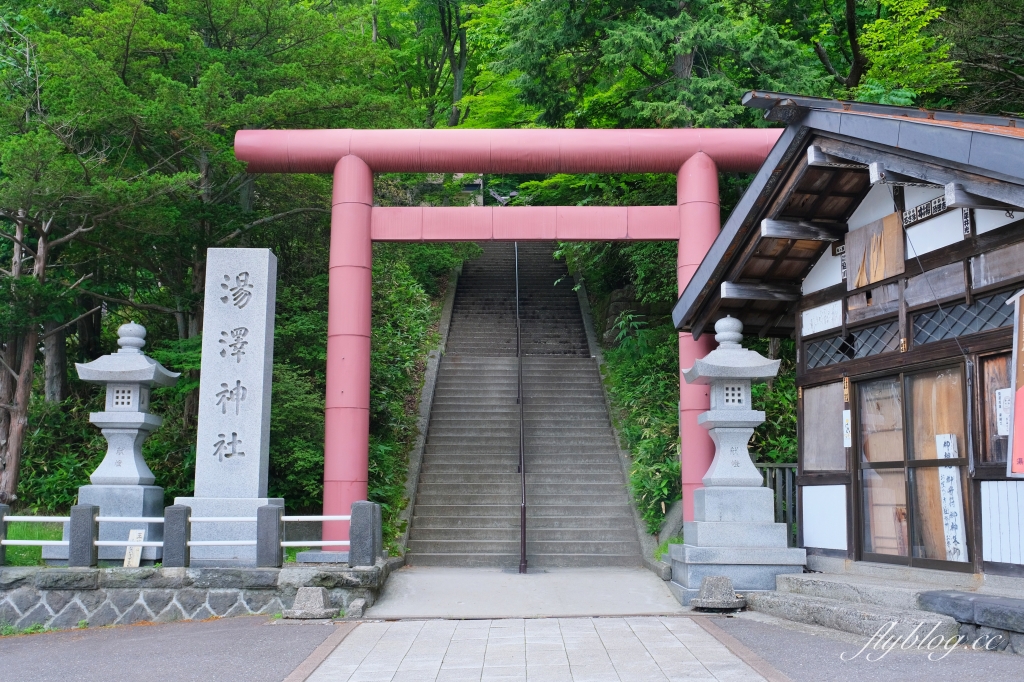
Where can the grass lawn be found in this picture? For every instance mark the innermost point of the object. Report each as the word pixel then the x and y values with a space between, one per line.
pixel 30 556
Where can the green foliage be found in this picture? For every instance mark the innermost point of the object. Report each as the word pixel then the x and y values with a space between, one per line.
pixel 905 54
pixel 28 555
pixel 7 630
pixel 774 441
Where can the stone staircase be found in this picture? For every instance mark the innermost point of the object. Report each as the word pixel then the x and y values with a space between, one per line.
pixel 466 509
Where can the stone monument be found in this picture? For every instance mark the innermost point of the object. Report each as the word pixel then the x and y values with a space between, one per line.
pixel 733 533
pixel 122 485
pixel 233 446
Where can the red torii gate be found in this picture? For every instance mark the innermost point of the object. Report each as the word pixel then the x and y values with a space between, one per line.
pixel 695 155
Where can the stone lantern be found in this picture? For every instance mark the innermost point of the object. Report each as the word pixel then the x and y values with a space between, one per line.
pixel 733 533
pixel 122 485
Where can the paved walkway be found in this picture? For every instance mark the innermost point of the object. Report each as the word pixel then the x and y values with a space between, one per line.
pixel 544 650
pixel 435 592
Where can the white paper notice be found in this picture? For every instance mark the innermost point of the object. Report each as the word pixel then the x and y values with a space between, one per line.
pixel 823 317
pixel 1004 411
pixel 133 555
pixel 952 499
pixel 847 430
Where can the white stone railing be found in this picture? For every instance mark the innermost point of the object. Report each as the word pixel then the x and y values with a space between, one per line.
pixel 83 533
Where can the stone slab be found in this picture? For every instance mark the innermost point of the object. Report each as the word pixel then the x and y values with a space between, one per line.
pixel 734 534
pixel 793 556
pixel 240 530
pixel 743 576
pixel 734 504
pixel 232 450
pixel 993 611
pixel 319 556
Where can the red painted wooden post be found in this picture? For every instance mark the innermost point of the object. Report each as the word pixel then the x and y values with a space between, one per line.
pixel 699 222
pixel 347 427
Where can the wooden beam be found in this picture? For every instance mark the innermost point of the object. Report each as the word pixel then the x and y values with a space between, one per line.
pixel 759 292
pixel 878 174
pixel 958 197
pixel 802 229
pixel 818 158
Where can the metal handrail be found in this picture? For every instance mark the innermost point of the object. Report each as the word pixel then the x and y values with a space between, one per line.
pixel 519 399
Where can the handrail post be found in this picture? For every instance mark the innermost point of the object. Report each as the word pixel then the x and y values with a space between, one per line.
pixel 519 399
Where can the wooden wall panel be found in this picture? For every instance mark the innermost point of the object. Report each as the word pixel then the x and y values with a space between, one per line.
pixel 1002 521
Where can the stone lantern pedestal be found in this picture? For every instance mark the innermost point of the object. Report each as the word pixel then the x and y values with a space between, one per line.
pixel 122 485
pixel 733 533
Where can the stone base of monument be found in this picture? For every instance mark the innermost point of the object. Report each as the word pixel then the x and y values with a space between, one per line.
pixel 319 556
pixel 749 552
pixel 716 595
pixel 311 603
pixel 123 501
pixel 222 507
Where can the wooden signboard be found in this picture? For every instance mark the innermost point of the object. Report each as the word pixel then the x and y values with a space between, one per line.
pixel 1015 460
pixel 133 555
pixel 875 252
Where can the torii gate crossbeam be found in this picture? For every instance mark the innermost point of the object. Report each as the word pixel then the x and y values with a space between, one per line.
pixel 695 155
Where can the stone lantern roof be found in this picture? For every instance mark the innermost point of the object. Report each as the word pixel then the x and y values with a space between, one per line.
pixel 730 360
pixel 129 364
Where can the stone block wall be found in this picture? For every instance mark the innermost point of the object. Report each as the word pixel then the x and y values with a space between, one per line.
pixel 64 597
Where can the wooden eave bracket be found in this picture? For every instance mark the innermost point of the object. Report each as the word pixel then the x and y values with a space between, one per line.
pixel 880 176
pixel 819 159
pixel 802 229
pixel 759 292
pixel 958 197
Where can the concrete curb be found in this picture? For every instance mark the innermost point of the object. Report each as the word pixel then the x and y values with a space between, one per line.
pixel 648 543
pixel 320 654
pixel 759 665
pixel 426 401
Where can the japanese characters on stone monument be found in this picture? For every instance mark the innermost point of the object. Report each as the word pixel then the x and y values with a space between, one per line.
pixel 232 449
pixel 122 484
pixel 733 533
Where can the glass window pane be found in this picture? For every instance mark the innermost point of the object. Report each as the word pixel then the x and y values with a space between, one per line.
pixel 881 420
pixel 937 414
pixel 940 528
pixel 885 511
pixel 822 428
pixel 995 377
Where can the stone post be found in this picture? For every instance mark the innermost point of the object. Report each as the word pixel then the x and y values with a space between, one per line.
pixel 233 447
pixel 269 533
pixel 82 535
pixel 365 534
pixel 733 532
pixel 176 536
pixel 122 484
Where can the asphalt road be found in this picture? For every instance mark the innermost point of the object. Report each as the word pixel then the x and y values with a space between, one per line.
pixel 812 654
pixel 246 649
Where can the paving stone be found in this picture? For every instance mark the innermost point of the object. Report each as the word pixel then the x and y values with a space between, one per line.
pixel 16 576
pixel 169 614
pixel 157 600
pixel 136 614
pixel 239 578
pixel 8 614
pixel 202 614
pixel 92 599
pixel 58 599
pixel 995 638
pixel 70 617
pixel 221 601
pixel 38 615
pixel 257 599
pixel 104 615
pixel 68 579
pixel 190 600
pixel 273 606
pixel 1005 614
pixel 239 609
pixel 123 599
pixel 24 598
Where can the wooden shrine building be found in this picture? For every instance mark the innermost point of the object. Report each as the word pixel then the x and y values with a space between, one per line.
pixel 887 241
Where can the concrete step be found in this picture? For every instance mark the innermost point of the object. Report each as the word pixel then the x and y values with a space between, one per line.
pixel 854 589
pixel 856 618
pixel 582 560
pixel 468 560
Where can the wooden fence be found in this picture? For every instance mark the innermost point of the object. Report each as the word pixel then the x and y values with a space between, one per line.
pixel 781 478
